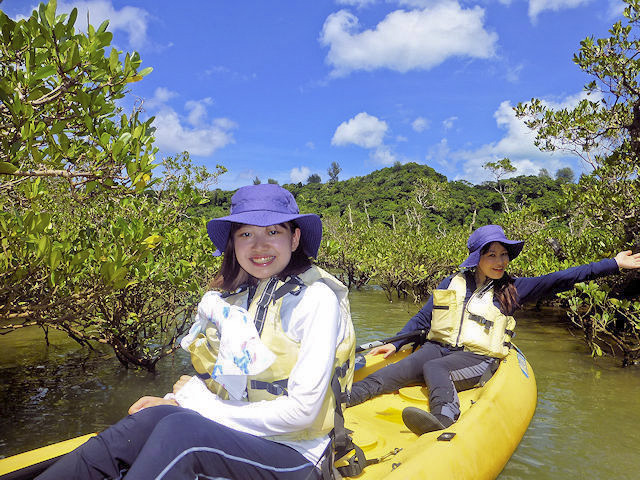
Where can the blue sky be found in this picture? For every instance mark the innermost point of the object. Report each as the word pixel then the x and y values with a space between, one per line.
pixel 280 89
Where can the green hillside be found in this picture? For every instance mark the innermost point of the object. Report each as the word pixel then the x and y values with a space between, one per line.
pixel 394 191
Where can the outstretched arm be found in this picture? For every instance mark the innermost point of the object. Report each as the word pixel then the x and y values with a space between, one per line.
pixel 628 260
pixel 532 288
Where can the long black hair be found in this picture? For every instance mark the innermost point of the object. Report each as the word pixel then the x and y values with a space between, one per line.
pixel 232 276
pixel 504 289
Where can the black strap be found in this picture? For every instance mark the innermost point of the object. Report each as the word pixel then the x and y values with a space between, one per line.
pixel 270 294
pixel 328 468
pixel 279 387
pixel 263 303
pixel 340 436
pixel 356 464
pixel 341 441
pixel 482 321
pixel 293 285
pixel 240 289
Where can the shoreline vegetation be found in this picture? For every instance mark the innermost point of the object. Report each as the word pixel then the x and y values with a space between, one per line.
pixel 103 242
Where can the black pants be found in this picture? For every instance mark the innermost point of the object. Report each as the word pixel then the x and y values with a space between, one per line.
pixel 173 443
pixel 443 370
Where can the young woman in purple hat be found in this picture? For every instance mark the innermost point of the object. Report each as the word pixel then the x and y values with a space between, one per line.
pixel 469 324
pixel 277 424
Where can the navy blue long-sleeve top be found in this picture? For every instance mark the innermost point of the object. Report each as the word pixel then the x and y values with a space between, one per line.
pixel 529 289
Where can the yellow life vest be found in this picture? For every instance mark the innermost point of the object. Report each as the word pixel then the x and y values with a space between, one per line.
pixel 264 307
pixel 479 327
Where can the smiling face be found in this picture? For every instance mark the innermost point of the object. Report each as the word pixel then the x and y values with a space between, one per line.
pixel 493 263
pixel 265 251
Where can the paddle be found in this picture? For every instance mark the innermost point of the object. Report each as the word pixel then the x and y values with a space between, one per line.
pixel 378 343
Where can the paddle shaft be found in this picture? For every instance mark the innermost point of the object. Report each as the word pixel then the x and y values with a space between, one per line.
pixel 378 343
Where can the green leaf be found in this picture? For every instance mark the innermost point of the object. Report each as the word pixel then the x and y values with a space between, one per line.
pixel 42 12
pixel 42 221
pixel 43 246
pixel 57 127
pixel 80 257
pixel 44 72
pixel 64 141
pixel 73 57
pixel 72 17
pixel 51 11
pixel 114 60
pixel 103 27
pixel 7 168
pixel 54 259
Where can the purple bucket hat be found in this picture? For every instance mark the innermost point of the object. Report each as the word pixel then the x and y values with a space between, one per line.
pixel 264 205
pixel 488 234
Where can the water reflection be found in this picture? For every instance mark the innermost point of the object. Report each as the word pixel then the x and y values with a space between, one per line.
pixel 584 427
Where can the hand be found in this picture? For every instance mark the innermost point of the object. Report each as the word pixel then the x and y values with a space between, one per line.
pixel 180 383
pixel 628 260
pixel 385 350
pixel 146 402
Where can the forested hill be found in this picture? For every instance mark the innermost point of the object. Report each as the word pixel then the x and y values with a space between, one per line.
pixel 397 192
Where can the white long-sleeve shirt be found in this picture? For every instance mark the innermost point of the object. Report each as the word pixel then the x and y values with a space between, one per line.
pixel 313 319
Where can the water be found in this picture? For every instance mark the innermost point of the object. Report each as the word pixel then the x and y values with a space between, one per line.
pixel 585 424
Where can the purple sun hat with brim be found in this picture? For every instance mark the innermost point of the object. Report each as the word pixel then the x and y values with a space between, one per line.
pixel 264 205
pixel 488 234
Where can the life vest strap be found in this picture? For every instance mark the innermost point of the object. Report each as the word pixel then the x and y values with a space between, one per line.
pixel 293 286
pixel 277 388
pixel 341 443
pixel 482 321
pixel 263 303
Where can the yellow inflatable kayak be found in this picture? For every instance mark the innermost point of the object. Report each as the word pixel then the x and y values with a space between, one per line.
pixel 493 420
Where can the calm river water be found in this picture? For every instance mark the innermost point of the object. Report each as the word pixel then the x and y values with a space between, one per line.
pixel 586 423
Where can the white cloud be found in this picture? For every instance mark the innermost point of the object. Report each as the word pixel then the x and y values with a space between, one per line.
pixel 439 153
pixel 192 132
pixel 513 73
pixel 197 110
pixel 221 70
pixel 310 145
pixel 299 174
pixel 538 6
pixel 447 123
pixel 420 124
pixel 383 155
pixel 616 7
pixel 363 130
pixel 368 132
pixel 415 3
pixel 131 20
pixel 160 96
pixel 407 40
pixel 201 140
pixel 517 145
pixel 356 3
